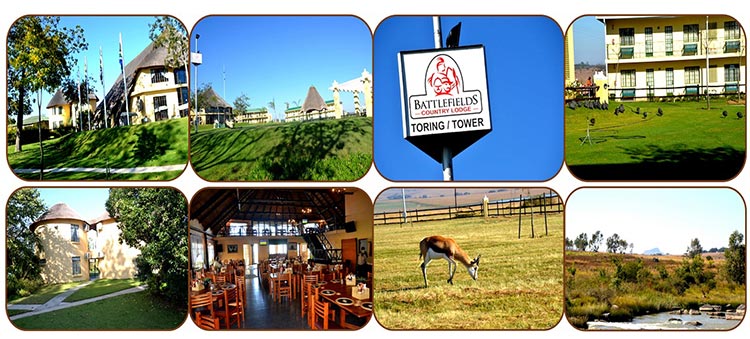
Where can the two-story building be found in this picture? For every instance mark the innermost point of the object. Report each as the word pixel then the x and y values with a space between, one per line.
pixel 664 56
pixel 62 112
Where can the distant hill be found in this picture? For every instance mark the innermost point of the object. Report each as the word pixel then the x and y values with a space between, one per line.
pixel 653 251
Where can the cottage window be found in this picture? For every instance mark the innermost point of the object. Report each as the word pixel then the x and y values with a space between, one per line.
pixel 668 40
pixel 628 78
pixel 74 233
pixel 160 108
pixel 649 41
pixel 158 75
pixel 76 265
pixel 670 80
pixel 731 30
pixel 179 76
pixel 183 95
pixel 690 33
pixel 732 73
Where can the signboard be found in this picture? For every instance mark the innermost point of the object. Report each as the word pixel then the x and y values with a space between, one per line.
pixel 196 58
pixel 444 93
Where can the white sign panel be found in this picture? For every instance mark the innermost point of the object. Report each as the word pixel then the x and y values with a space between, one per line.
pixel 444 91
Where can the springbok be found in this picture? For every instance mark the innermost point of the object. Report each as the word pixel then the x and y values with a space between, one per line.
pixel 439 247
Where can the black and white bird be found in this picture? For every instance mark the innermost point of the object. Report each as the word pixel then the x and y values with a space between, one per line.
pixel 453 36
pixel 645 114
pixel 724 114
pixel 659 112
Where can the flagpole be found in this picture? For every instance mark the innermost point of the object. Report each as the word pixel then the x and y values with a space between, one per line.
pixel 124 84
pixel 104 89
pixel 86 95
pixel 79 121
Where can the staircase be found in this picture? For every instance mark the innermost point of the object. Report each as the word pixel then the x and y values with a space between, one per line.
pixel 320 248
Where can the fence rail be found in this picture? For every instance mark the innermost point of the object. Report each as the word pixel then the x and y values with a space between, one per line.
pixel 543 203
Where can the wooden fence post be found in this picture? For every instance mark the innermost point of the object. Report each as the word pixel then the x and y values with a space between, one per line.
pixel 519 217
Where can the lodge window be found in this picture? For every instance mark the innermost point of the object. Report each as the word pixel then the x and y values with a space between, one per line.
pixel 627 36
pixel 668 40
pixel 628 78
pixel 183 95
pixel 179 76
pixel 76 265
pixel 649 41
pixel 731 30
pixel 690 33
pixel 158 75
pixel 670 79
pixel 692 75
pixel 732 73
pixel 160 108
pixel 74 233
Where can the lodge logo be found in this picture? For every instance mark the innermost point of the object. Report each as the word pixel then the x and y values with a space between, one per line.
pixel 444 93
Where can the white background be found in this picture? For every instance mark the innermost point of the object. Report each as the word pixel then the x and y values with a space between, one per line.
pixel 190 11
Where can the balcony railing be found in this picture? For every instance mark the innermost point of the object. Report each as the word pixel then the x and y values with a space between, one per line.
pixel 617 52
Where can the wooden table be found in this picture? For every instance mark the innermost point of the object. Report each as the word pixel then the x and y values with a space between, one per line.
pixel 345 291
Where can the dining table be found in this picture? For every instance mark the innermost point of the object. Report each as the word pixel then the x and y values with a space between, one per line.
pixel 339 294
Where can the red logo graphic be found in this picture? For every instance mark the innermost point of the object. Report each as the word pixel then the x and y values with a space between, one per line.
pixel 443 80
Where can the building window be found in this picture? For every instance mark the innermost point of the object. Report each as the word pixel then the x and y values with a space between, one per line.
pixel 670 80
pixel 160 108
pixel 668 40
pixel 74 233
pixel 649 41
pixel 179 76
pixel 76 266
pixel 732 73
pixel 182 95
pixel 692 75
pixel 627 36
pixel 628 78
pixel 690 33
pixel 731 30
pixel 158 75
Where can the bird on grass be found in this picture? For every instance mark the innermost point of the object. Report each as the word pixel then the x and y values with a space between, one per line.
pixel 572 105
pixel 659 112
pixel 724 114
pixel 637 110
pixel 739 115
pixel 645 114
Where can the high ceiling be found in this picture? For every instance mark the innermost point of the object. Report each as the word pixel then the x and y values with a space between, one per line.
pixel 214 208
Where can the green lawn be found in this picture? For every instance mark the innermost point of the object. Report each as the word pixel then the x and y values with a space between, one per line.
pixel 519 285
pixel 45 293
pixel 136 311
pixel 16 312
pixel 687 143
pixel 102 287
pixel 329 150
pixel 152 144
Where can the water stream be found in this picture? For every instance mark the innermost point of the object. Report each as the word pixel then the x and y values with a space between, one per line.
pixel 666 321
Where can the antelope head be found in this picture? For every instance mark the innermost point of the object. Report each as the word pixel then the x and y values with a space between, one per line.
pixel 474 267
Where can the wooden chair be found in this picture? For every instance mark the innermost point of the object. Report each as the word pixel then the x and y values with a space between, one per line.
pixel 242 294
pixel 320 312
pixel 311 278
pixel 283 287
pixel 220 278
pixel 203 306
pixel 304 297
pixel 230 312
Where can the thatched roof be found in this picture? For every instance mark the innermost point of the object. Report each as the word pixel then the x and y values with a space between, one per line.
pixel 212 99
pixel 313 101
pixel 59 99
pixel 102 217
pixel 150 57
pixel 56 212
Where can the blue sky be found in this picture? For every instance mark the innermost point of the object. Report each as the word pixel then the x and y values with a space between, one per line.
pixel 88 202
pixel 103 31
pixel 279 57
pixel 588 40
pixel 524 57
pixel 664 218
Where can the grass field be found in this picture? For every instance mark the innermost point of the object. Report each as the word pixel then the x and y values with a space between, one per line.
pixel 102 287
pixel 153 144
pixel 687 143
pixel 590 290
pixel 45 294
pixel 327 150
pixel 519 284
pixel 136 311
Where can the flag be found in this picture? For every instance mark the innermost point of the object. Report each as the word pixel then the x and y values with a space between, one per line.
pixel 101 65
pixel 121 64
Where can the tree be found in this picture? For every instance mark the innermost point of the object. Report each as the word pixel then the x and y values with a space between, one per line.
pixel 596 241
pixel 272 105
pixel 22 245
pixel 569 244
pixel 582 241
pixel 40 57
pixel 241 104
pixel 154 220
pixel 694 249
pixel 169 33
pixel 616 245
pixel 735 258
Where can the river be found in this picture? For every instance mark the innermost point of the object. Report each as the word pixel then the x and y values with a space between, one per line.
pixel 660 321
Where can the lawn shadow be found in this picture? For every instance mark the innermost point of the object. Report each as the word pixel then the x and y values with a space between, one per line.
pixel 678 163
pixel 216 148
pixel 403 289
